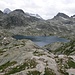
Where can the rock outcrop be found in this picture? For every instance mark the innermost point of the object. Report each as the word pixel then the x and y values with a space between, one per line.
pixel 25 58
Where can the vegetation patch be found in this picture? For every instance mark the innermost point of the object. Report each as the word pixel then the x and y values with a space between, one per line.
pixel 49 71
pixel 33 73
pixel 63 72
pixel 71 64
pixel 6 55
pixel 67 48
pixel 36 53
pixel 28 64
pixel 7 64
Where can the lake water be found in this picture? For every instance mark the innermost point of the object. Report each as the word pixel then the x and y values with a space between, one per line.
pixel 41 40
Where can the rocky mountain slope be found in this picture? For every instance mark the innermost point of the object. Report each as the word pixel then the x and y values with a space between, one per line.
pixel 16 18
pixel 19 22
pixel 62 48
pixel 23 57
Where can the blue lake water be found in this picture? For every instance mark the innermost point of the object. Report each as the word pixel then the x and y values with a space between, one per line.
pixel 41 40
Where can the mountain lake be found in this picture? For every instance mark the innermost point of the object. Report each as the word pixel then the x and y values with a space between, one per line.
pixel 41 40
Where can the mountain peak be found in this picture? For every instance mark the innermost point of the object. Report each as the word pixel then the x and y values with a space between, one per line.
pixel 1 12
pixel 19 10
pixel 61 15
pixel 73 16
pixel 7 11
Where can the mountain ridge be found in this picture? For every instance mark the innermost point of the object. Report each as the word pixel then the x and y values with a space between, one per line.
pixel 20 22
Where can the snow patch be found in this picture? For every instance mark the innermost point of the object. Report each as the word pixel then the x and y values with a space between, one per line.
pixel 64 18
pixel 35 15
pixel 7 11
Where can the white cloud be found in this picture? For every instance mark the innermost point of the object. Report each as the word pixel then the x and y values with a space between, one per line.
pixel 45 8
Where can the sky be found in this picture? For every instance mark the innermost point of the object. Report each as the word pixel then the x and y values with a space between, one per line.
pixel 47 9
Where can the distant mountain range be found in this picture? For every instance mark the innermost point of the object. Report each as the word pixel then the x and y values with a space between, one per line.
pixel 17 18
pixel 19 22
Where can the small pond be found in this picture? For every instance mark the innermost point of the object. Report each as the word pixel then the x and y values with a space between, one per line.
pixel 41 40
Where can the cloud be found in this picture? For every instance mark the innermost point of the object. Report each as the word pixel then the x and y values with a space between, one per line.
pixel 45 8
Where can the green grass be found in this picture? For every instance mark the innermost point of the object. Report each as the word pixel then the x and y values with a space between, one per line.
pixel 28 64
pixel 4 66
pixel 33 73
pixel 49 71
pixel 36 53
pixel 67 48
pixel 64 72
pixel 71 64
